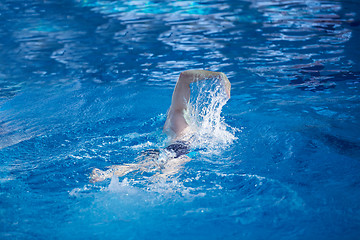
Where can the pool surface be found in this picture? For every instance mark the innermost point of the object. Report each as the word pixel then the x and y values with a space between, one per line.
pixel 87 83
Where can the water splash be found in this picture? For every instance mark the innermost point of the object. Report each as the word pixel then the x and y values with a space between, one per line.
pixel 204 116
pixel 123 187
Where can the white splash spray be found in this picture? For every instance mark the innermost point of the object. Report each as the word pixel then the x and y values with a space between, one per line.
pixel 204 116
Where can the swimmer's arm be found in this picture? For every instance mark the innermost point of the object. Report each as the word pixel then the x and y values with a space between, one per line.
pixel 181 93
pixel 181 96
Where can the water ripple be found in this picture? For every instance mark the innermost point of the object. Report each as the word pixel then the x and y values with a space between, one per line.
pixel 304 40
pixel 276 40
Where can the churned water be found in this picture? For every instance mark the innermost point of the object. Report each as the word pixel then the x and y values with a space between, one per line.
pixel 86 84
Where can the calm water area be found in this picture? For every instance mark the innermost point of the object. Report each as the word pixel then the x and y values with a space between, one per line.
pixel 87 84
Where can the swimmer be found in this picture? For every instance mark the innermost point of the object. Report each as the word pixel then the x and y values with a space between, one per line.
pixel 168 161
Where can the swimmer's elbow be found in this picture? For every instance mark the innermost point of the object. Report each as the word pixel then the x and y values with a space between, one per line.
pixel 190 76
pixel 186 76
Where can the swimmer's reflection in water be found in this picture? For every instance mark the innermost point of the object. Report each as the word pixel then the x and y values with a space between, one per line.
pixel 168 161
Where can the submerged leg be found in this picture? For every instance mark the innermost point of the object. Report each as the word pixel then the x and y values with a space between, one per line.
pixel 173 166
pixel 148 165
pixel 98 175
pixel 168 167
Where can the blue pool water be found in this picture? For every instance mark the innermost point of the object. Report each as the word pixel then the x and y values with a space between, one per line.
pixel 87 83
